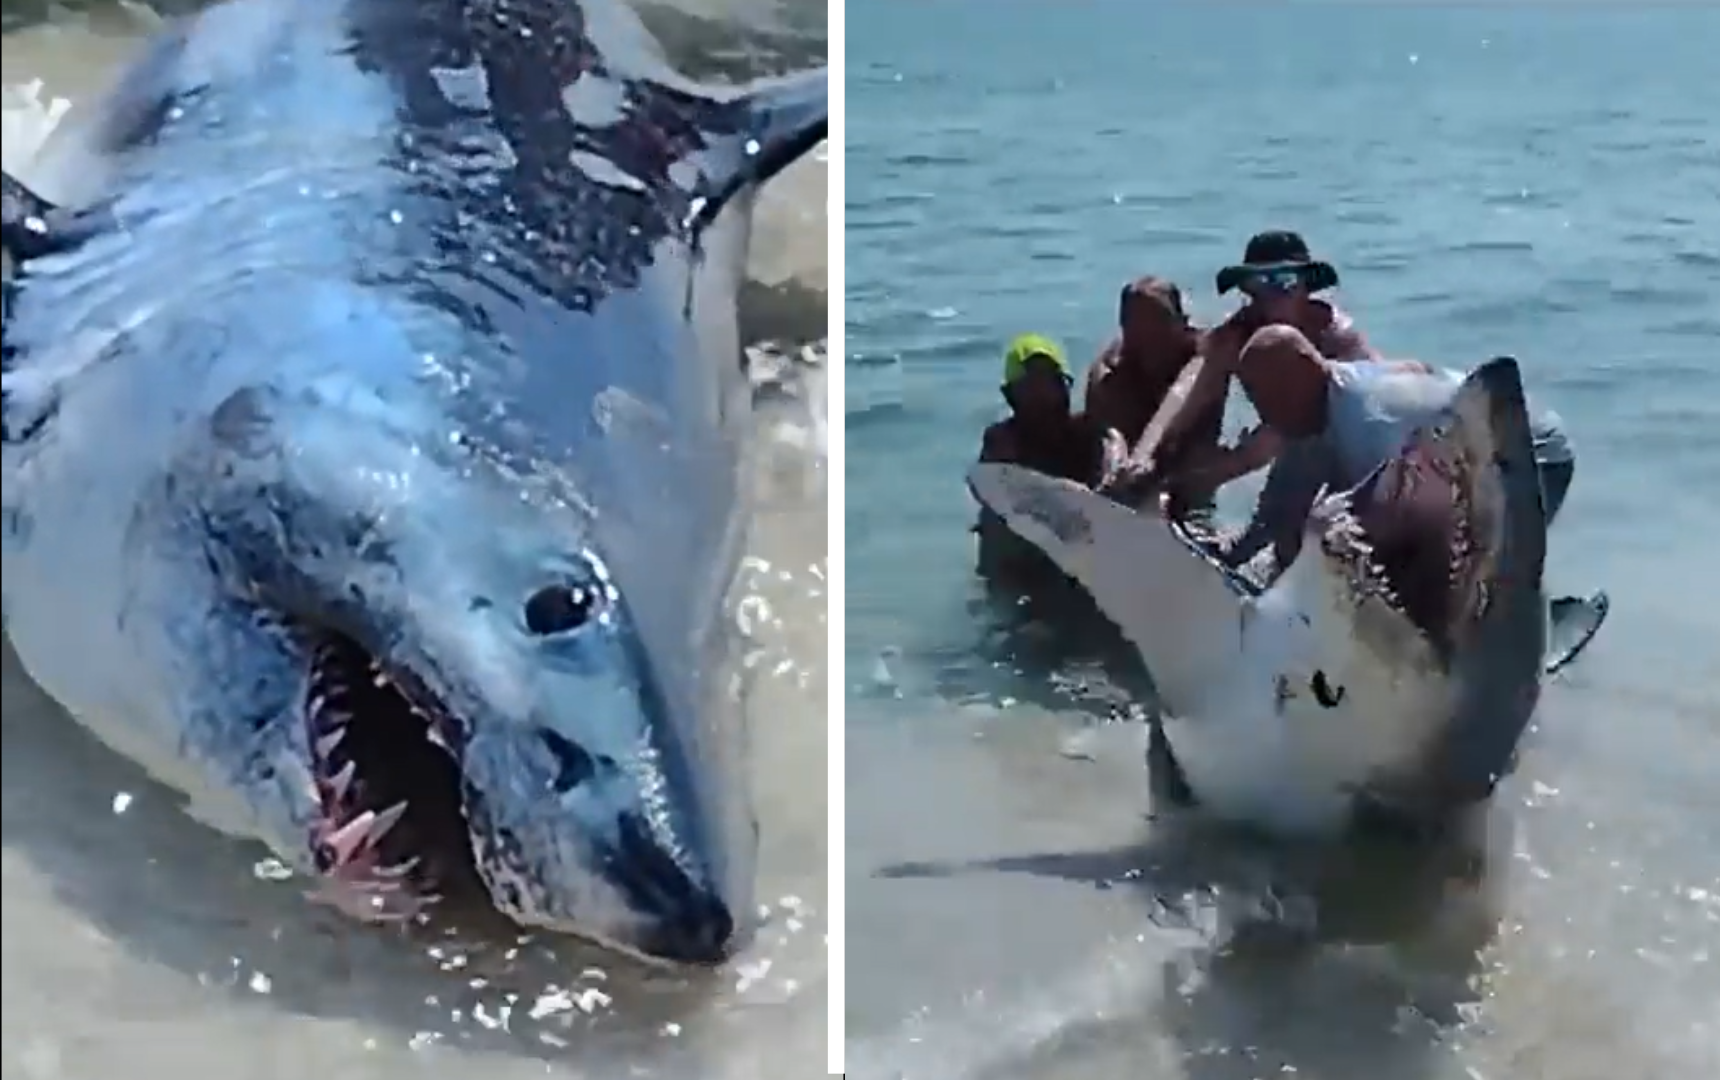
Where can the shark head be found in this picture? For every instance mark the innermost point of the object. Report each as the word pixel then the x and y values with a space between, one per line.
pixel 423 676
pixel 1432 566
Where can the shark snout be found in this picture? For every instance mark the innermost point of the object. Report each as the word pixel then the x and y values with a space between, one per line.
pixel 595 797
pixel 688 920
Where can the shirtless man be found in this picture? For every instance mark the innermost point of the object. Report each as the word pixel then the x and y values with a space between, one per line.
pixel 1154 343
pixel 1282 281
pixel 1128 383
pixel 1327 424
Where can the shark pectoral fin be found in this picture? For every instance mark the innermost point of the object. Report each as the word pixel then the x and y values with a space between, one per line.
pixel 1575 620
pixel 784 119
pixel 24 228
pixel 31 226
pixel 1174 604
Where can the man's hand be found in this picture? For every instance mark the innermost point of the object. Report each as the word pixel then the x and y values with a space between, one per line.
pixel 1113 458
pixel 1132 481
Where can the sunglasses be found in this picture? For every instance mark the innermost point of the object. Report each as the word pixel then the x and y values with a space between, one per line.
pixel 1282 280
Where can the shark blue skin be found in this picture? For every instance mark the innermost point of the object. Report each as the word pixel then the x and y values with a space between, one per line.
pixel 377 443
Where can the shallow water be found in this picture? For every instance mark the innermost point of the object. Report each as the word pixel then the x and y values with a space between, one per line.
pixel 1488 179
pixel 135 940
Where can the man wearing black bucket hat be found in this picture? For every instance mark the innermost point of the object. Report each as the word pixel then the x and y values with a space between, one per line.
pixel 1282 253
pixel 1283 282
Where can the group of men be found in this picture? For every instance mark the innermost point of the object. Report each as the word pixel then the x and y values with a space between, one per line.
pixel 1330 407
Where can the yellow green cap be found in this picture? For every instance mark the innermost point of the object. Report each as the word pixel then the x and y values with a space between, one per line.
pixel 1025 348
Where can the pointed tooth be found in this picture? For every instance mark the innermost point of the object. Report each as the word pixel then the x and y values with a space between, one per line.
pixel 435 736
pixel 378 680
pixel 346 840
pixel 341 781
pixel 326 744
pixel 399 870
pixel 387 820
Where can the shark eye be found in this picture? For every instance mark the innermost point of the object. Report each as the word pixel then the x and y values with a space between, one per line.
pixel 560 609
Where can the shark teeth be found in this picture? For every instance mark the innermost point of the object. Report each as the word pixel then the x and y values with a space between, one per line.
pixel 1346 539
pixel 341 782
pixel 357 876
pixel 327 744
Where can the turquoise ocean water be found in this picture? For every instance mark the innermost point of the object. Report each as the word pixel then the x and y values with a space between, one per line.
pixel 1540 180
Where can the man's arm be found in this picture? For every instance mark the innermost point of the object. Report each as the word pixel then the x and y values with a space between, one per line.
pixel 1099 397
pixel 1101 364
pixel 1302 470
pixel 1220 351
pixel 1219 465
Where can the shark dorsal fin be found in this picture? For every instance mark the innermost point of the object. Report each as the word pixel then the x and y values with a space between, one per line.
pixel 785 119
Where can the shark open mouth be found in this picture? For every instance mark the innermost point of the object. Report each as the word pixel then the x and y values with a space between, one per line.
pixel 393 838
pixel 1407 535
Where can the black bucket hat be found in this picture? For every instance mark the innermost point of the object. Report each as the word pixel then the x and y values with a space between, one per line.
pixel 1279 250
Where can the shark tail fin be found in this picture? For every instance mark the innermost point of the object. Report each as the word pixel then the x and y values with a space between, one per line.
pixel 1575 622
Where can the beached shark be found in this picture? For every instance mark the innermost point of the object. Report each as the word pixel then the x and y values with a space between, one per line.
pixel 1389 672
pixel 377 439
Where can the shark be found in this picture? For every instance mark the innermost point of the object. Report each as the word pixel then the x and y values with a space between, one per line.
pixel 1388 674
pixel 377 443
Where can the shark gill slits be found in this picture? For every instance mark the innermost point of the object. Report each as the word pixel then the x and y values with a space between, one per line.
pixel 560 608
pixel 574 764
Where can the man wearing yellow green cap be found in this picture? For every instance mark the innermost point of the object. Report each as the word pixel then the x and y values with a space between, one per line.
pixel 1042 432
pixel 1029 350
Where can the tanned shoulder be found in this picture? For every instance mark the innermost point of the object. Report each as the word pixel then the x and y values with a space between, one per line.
pixel 999 444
